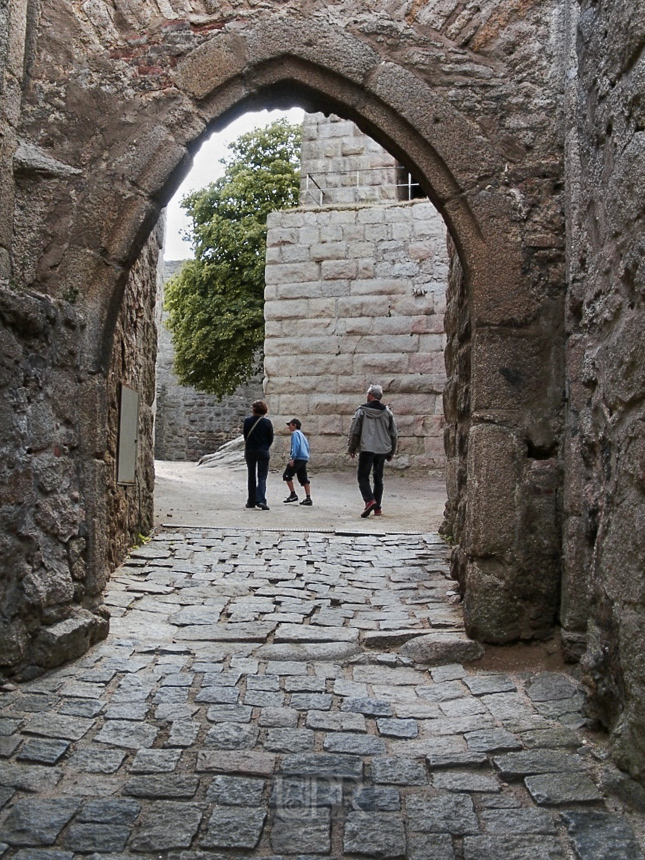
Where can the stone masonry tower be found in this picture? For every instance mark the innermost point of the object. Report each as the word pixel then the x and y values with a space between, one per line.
pixel 355 291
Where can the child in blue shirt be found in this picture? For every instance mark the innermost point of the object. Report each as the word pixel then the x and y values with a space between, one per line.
pixel 297 465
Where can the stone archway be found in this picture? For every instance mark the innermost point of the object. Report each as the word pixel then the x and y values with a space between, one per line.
pixel 96 182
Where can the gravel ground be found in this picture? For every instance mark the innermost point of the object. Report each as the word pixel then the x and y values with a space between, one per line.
pixel 188 494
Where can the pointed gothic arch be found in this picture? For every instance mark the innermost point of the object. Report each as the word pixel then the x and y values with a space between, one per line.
pixel 140 137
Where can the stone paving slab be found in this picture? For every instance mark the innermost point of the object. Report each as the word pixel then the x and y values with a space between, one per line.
pixel 261 695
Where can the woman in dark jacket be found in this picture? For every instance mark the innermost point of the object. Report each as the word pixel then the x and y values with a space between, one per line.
pixel 258 438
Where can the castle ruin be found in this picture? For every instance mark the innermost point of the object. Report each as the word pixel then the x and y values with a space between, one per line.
pixel 523 122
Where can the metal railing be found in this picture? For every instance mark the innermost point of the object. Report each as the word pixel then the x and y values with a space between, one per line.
pixel 314 190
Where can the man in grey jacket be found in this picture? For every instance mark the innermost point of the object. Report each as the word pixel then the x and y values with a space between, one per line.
pixel 373 434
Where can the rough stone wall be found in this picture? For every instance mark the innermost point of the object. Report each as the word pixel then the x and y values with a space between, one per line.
pixel 189 423
pixel 51 591
pixel 513 468
pixel 46 612
pixel 605 455
pixel 130 509
pixel 356 295
pixel 50 605
pixel 456 409
pixel 13 38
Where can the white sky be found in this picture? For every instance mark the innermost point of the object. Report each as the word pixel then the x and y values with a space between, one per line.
pixel 207 168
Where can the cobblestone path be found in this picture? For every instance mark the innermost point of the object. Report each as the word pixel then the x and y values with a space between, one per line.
pixel 261 695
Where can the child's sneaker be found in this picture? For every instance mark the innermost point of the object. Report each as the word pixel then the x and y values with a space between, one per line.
pixel 291 498
pixel 307 502
pixel 377 512
pixel 369 507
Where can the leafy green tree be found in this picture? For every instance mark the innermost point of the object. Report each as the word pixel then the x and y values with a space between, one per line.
pixel 216 302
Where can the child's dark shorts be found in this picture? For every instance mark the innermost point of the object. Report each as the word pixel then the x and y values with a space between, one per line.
pixel 299 468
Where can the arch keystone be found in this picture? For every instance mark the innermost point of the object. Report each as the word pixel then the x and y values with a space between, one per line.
pixel 226 55
pixel 320 43
pixel 211 64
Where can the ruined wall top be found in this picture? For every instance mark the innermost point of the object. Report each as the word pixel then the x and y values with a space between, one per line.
pixel 339 165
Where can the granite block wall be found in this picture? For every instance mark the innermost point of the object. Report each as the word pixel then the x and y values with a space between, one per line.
pixel 364 302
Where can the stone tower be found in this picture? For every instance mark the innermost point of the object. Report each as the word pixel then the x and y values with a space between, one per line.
pixel 356 280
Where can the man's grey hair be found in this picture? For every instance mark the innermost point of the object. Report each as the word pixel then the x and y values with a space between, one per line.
pixel 376 391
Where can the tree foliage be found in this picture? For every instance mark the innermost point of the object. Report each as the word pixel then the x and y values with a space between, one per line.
pixel 216 302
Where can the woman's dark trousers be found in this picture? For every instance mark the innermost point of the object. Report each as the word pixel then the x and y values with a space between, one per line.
pixel 257 487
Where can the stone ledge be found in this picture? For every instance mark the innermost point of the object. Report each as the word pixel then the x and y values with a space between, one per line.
pixel 68 639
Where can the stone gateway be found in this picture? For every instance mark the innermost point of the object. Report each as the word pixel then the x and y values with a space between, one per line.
pixel 523 121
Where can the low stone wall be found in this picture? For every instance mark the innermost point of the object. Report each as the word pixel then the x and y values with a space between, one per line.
pixel 356 295
pixel 189 423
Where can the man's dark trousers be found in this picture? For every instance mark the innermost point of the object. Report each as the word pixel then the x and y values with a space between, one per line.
pixel 369 462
